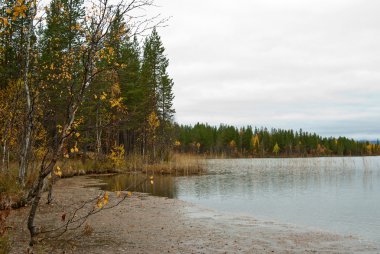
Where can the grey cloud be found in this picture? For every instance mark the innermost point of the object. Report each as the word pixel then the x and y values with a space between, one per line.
pixel 290 64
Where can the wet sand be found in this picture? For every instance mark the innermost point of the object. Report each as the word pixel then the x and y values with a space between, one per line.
pixel 145 224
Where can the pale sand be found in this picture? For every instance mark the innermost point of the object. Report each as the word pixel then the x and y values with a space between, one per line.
pixel 145 224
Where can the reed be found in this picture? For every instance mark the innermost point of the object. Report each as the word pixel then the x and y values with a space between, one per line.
pixel 75 167
pixel 178 164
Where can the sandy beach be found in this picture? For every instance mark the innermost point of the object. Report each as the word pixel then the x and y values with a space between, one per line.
pixel 146 224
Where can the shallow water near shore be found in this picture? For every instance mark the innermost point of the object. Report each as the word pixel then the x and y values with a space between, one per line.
pixel 339 195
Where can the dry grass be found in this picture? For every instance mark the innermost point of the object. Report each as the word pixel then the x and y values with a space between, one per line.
pixel 10 195
pixel 76 167
pixel 10 191
pixel 88 230
pixel 134 163
pixel 179 164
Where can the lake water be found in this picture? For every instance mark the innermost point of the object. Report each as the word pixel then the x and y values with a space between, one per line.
pixel 340 195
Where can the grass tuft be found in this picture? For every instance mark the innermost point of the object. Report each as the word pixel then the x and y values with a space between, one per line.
pixel 178 164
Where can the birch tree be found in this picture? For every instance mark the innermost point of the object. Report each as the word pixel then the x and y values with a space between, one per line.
pixel 98 21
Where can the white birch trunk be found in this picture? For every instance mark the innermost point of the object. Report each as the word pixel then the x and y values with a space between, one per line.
pixel 29 108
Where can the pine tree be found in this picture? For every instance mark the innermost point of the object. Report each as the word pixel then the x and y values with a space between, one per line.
pixel 60 63
pixel 12 42
pixel 131 92
pixel 156 87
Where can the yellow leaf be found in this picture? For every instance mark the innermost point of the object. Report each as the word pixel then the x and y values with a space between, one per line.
pixel 153 121
pixel 99 203
pixel 151 182
pixel 103 96
pixel 58 171
pixel 77 134
pixel 116 102
pixel 129 194
pixel 105 198
pixel 72 150
pixel 23 7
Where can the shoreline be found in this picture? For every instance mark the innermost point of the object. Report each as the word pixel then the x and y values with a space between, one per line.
pixel 147 224
pixel 291 157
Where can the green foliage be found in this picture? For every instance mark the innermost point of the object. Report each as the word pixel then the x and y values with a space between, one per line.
pixel 262 142
pixel 129 84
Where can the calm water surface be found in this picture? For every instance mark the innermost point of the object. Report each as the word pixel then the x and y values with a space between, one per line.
pixel 340 195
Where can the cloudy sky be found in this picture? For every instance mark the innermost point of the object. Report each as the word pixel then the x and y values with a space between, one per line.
pixel 310 64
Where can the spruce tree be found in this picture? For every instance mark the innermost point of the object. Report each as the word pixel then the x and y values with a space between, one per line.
pixel 156 87
pixel 131 92
pixel 59 63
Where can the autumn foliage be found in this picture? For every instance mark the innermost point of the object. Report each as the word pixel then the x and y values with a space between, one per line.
pixel 76 83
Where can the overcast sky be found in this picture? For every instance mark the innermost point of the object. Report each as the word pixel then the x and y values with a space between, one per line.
pixel 310 64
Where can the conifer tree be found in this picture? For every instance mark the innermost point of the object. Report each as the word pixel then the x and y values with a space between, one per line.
pixel 156 87
pixel 60 63
pixel 131 92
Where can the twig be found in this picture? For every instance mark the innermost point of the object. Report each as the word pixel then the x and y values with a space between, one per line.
pixel 81 220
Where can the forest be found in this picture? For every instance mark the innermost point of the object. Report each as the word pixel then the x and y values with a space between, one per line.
pixel 83 87
pixel 230 141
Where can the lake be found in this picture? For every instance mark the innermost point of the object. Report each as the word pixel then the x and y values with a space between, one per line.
pixel 340 195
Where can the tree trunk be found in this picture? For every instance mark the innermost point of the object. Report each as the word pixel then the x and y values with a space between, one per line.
pixel 29 108
pixel 46 169
pixel 5 150
pixel 50 189
pixel 98 133
pixel 32 214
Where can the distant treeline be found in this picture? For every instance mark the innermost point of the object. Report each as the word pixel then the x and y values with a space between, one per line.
pixel 231 141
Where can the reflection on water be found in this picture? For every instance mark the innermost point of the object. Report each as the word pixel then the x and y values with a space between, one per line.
pixel 335 194
pixel 163 185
